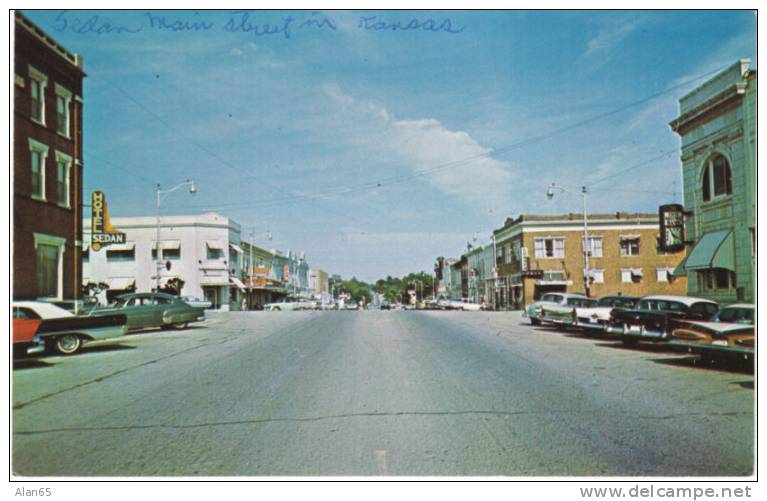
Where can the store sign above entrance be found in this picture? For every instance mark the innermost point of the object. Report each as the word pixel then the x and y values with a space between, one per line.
pixel 102 233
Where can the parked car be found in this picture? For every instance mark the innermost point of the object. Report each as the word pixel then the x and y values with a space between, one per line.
pixel 462 304
pixel 153 309
pixel 730 332
pixel 197 302
pixel 594 318
pixel 533 311
pixel 563 315
pixel 654 317
pixel 77 306
pixel 351 305
pixel 289 304
pixel 44 326
pixel 385 305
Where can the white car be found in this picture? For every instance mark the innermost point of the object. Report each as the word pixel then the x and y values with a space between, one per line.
pixel 458 304
pixel 597 317
pixel 289 305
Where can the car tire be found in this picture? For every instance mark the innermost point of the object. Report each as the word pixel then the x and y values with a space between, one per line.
pixel 630 342
pixel 68 344
pixel 180 325
pixel 535 321
pixel 276 308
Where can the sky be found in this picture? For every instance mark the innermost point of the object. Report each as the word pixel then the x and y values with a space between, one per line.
pixel 376 141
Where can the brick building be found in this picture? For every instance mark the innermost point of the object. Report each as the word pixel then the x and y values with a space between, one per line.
pixel 717 126
pixel 539 254
pixel 47 166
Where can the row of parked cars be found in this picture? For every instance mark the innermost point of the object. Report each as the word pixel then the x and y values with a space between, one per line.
pixel 40 326
pixel 698 324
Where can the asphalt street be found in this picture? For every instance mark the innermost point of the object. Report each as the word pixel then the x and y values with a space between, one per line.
pixel 377 393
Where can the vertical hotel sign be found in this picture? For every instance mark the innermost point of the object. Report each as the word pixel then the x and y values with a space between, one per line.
pixel 102 233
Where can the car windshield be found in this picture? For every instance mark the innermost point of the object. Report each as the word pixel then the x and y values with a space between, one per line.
pixel 552 298
pixel 617 302
pixel 735 316
pixel 660 305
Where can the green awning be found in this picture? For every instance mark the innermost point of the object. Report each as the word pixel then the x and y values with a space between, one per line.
pixel 713 250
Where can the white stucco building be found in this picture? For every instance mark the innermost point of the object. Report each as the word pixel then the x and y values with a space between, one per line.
pixel 202 250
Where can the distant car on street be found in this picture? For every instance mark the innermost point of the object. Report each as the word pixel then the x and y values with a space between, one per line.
pixel 153 309
pixel 461 304
pixel 289 304
pixel 39 326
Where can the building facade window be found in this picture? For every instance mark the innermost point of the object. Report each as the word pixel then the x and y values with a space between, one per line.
pixel 214 254
pixel 662 274
pixel 38 153
pixel 121 255
pixel 49 252
pixel 554 276
pixel 63 101
pixel 37 83
pixel 630 246
pixel 597 276
pixel 549 247
pixel 169 254
pixel 595 246
pixel 717 178
pixel 631 275
pixel 63 177
pixel 717 279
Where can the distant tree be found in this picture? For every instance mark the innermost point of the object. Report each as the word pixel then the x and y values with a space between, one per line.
pixel 173 286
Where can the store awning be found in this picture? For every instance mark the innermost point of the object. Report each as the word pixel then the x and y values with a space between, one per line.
pixel 121 283
pixel 679 271
pixel 236 281
pixel 236 248
pixel 636 271
pixel 167 244
pixel 714 250
pixel 219 281
pixel 629 237
pixel 214 244
pixel 127 246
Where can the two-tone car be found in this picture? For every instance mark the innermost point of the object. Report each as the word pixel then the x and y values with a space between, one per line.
pixel 595 318
pixel 729 333
pixel 153 309
pixel 39 326
pixel 564 315
pixel 534 310
pixel 655 317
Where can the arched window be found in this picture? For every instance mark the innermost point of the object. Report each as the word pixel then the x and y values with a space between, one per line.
pixel 717 178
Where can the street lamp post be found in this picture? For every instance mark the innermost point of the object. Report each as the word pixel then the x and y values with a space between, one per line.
pixel 160 193
pixel 586 241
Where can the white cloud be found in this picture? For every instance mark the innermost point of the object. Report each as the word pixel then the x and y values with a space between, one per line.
pixel 452 161
pixel 609 37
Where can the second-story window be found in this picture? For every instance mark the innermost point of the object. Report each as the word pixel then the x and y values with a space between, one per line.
pixel 717 178
pixel 38 153
pixel 63 176
pixel 37 84
pixel 596 246
pixel 629 246
pixel 549 247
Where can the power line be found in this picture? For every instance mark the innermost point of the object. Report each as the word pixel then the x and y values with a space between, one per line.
pixel 381 182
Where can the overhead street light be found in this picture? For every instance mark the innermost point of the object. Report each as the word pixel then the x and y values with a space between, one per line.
pixel 160 193
pixel 586 241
